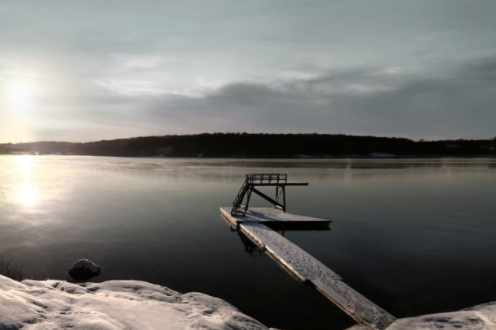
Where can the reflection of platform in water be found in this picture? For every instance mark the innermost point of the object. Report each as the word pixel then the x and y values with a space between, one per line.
pixel 275 219
pixel 251 248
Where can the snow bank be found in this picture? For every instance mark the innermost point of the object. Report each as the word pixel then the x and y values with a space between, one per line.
pixel 478 317
pixel 112 305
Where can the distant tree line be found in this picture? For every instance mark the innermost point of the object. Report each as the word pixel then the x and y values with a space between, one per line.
pixel 243 145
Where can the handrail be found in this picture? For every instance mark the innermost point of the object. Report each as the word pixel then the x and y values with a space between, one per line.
pixel 261 178
pixel 241 192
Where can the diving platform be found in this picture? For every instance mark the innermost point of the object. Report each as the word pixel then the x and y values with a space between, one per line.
pixel 253 180
pixel 259 225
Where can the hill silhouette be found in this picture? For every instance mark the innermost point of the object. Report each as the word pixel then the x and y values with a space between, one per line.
pixel 243 145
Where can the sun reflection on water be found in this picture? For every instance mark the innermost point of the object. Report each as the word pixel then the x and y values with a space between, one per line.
pixel 27 195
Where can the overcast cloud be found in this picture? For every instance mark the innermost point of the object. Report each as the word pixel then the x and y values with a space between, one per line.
pixel 92 70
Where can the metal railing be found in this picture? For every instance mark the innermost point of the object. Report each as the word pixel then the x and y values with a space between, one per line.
pixel 264 178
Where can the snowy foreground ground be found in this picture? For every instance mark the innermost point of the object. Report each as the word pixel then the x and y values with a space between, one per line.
pixel 50 305
pixel 480 317
pixel 112 305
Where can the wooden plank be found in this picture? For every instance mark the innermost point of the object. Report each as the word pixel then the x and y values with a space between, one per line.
pixel 354 304
pixel 308 269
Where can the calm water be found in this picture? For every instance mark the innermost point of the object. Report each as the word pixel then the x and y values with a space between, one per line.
pixel 414 236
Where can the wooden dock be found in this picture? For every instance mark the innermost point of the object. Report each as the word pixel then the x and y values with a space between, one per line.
pixel 275 218
pixel 255 225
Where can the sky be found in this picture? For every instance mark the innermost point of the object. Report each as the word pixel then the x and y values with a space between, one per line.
pixel 91 70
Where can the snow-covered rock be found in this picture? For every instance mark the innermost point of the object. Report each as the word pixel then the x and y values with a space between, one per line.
pixel 112 305
pixel 478 317
pixel 84 270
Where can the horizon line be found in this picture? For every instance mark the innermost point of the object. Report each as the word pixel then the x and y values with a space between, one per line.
pixel 246 133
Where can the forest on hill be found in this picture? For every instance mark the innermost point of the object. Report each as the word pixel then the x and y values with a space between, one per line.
pixel 244 145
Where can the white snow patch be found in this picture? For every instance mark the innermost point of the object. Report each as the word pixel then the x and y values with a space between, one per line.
pixel 477 317
pixel 52 304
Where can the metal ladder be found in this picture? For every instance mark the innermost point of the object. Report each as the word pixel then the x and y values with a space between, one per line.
pixel 236 210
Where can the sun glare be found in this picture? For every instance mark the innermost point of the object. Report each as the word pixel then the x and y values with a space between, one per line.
pixel 25 163
pixel 27 195
pixel 21 95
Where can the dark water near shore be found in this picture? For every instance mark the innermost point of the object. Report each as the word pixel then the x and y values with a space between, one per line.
pixel 415 236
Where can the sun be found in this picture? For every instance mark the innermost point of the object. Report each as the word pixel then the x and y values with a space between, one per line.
pixel 21 95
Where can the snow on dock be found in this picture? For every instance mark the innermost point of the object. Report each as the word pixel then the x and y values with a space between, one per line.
pixel 299 262
pixel 305 267
pixel 269 215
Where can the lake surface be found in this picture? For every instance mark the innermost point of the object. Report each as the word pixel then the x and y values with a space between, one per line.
pixel 415 236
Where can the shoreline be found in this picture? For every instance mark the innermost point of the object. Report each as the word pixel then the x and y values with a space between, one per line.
pixel 306 157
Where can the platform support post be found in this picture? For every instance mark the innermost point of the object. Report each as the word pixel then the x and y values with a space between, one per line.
pixel 268 199
pixel 248 196
pixel 284 198
pixel 281 191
